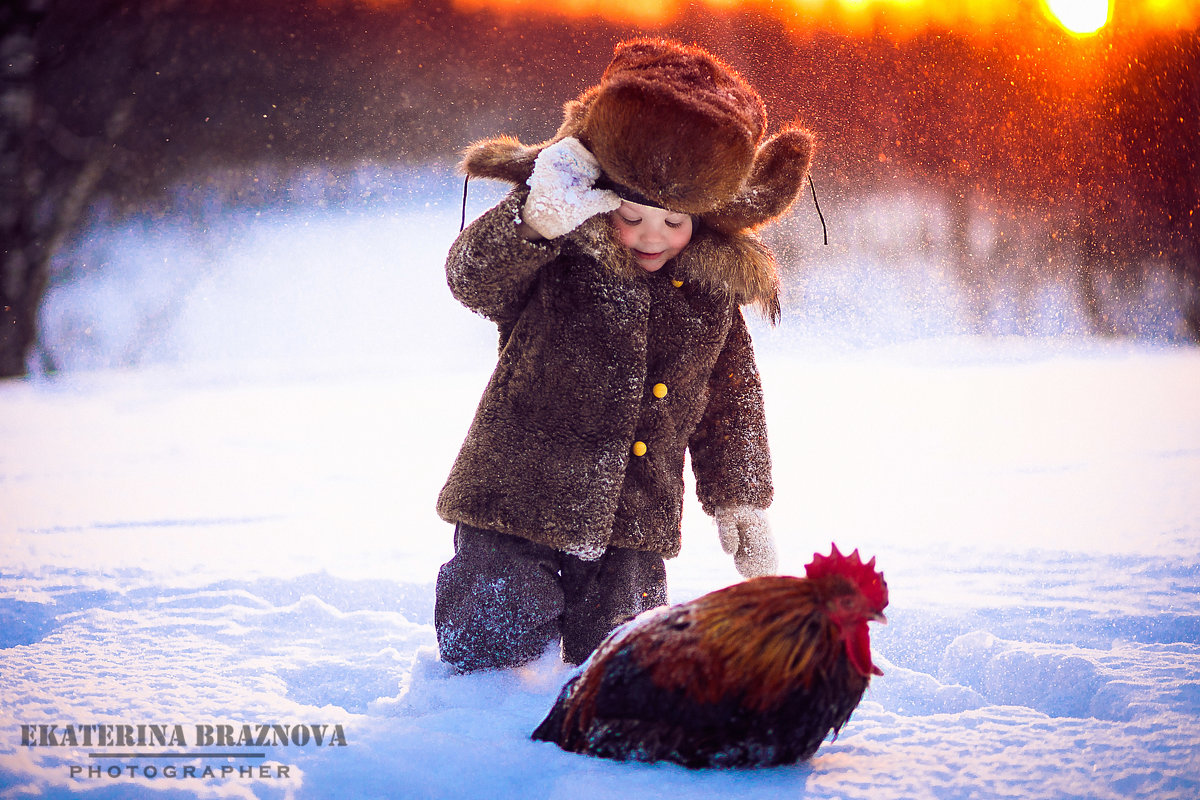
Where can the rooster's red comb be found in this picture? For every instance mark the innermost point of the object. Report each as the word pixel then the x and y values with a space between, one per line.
pixel 869 580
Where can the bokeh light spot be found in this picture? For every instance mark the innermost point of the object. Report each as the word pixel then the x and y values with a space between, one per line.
pixel 1080 17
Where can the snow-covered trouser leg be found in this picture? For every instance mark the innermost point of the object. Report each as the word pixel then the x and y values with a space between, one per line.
pixel 497 602
pixel 602 594
pixel 503 600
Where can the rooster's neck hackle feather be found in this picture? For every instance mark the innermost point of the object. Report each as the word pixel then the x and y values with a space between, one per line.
pixel 766 636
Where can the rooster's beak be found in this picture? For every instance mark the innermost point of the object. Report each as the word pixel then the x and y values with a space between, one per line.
pixel 878 617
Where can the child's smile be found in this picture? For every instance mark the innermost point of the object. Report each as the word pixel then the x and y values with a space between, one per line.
pixel 654 235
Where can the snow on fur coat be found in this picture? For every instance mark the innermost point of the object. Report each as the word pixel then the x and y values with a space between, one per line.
pixel 585 335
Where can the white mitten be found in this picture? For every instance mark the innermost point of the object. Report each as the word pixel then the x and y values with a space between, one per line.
pixel 746 536
pixel 561 190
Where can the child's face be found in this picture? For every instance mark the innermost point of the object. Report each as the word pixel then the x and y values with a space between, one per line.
pixel 653 235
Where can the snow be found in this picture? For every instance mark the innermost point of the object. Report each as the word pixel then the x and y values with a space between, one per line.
pixel 221 512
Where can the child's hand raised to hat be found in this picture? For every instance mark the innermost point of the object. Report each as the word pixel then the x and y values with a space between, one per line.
pixel 562 195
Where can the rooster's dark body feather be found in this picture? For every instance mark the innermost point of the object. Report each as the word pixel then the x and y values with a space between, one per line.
pixel 756 674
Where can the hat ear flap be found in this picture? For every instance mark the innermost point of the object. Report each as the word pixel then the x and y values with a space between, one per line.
pixel 504 158
pixel 776 177
pixel 574 114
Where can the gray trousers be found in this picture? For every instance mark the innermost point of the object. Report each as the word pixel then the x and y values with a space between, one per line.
pixel 502 600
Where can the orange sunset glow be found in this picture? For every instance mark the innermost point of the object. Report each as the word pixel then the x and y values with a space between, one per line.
pixel 1055 108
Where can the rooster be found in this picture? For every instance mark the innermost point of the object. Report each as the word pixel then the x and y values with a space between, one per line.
pixel 755 674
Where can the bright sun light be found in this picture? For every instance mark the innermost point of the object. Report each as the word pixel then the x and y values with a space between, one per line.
pixel 1080 16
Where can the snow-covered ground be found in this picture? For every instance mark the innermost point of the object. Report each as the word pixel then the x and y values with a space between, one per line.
pixel 240 530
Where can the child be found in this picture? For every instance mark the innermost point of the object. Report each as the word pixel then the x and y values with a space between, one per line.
pixel 615 271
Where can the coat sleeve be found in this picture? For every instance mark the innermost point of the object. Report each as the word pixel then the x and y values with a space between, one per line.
pixel 490 268
pixel 730 455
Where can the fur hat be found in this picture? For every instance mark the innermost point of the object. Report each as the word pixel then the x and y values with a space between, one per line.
pixel 673 126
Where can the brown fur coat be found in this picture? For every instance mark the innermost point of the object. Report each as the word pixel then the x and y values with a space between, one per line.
pixel 585 335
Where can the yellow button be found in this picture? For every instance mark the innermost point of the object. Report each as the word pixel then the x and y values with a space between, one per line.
pixel 659 390
pixel 676 283
pixel 639 449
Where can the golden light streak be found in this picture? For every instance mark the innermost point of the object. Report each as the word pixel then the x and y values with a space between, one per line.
pixel 639 12
pixel 892 18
